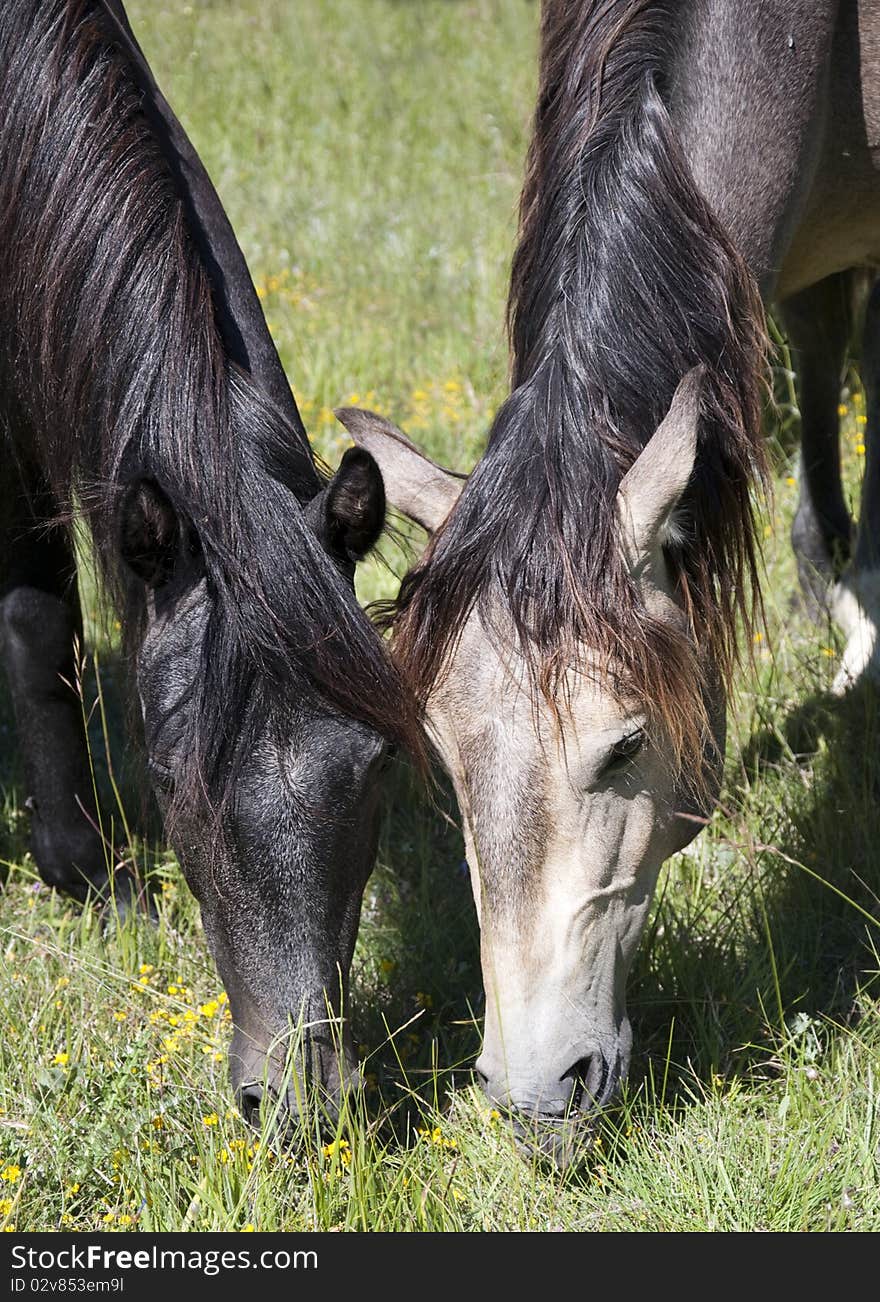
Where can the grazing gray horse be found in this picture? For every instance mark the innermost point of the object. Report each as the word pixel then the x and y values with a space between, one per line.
pixel 570 628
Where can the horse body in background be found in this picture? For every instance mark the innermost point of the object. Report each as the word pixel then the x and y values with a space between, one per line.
pixel 571 626
pixel 139 386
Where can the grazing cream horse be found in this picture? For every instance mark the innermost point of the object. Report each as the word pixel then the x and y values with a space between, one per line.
pixel 570 628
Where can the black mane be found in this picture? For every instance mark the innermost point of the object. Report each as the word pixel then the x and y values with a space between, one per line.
pixel 113 367
pixel 622 281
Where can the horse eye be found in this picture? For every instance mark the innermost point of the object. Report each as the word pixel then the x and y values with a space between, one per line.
pixel 623 751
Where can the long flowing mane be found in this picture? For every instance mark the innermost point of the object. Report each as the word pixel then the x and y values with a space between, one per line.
pixel 623 279
pixel 112 367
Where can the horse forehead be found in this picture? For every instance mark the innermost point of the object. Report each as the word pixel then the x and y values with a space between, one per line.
pixel 486 704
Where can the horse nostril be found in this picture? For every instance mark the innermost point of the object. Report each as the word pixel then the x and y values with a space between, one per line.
pixel 250 1098
pixel 588 1078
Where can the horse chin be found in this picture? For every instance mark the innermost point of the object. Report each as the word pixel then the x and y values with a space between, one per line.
pixel 561 1143
pixel 290 1104
pixel 292 1122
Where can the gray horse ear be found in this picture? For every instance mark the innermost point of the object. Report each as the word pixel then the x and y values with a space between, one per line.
pixel 655 483
pixel 414 484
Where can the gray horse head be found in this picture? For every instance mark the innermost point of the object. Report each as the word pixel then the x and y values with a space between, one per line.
pixel 570 804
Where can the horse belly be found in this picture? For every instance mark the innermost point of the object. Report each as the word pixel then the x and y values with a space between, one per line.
pixel 781 137
pixel 840 225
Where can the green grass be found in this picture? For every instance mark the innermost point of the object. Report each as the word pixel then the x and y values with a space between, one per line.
pixel 369 154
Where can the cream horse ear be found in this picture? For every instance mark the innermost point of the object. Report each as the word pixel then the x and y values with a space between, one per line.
pixel 414 484
pixel 653 486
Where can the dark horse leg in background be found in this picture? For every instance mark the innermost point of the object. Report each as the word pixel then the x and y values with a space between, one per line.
pixel 819 324
pixel 868 542
pixel 857 595
pixel 39 619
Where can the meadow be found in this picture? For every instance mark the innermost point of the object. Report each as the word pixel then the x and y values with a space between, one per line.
pixel 369 153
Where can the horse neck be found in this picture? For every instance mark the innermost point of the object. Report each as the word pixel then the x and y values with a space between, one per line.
pixel 240 320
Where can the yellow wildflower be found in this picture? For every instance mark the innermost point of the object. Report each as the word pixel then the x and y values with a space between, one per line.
pixel 436 1137
pixel 10 1173
pixel 339 1148
pixel 61 1060
pixel 211 1119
